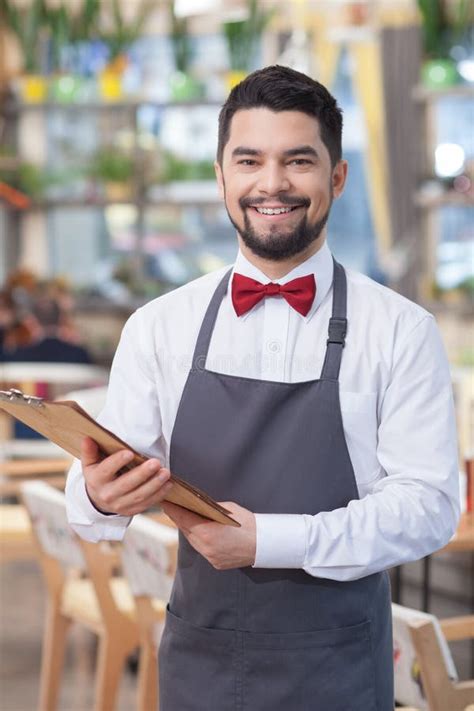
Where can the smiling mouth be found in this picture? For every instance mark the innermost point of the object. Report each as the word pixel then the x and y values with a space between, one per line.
pixel 275 210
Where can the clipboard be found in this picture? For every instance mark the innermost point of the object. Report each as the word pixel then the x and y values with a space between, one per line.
pixel 65 423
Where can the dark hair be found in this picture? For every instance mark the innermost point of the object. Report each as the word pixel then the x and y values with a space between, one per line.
pixel 47 311
pixel 282 89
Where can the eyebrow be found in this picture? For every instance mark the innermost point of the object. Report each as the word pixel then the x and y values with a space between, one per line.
pixel 297 151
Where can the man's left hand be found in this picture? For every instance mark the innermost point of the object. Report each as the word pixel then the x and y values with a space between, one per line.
pixel 223 546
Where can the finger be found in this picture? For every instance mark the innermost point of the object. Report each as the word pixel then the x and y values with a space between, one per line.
pixel 183 518
pixel 230 506
pixel 106 470
pixel 145 496
pixel 89 452
pixel 136 477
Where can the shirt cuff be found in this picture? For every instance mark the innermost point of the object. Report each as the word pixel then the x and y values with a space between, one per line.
pixel 82 511
pixel 281 541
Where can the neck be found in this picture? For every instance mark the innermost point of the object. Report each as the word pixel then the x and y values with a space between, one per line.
pixel 277 270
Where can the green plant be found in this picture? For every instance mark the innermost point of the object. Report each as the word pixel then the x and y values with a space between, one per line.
pixel 466 286
pixel 84 25
pixel 466 357
pixel 174 168
pixel 180 40
pixel 125 32
pixel 69 28
pixel 111 165
pixel 442 23
pixel 26 23
pixel 30 178
pixel 243 35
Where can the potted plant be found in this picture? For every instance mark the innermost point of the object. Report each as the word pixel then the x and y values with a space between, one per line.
pixel 31 179
pixel 118 38
pixel 26 22
pixel 183 86
pixel 176 169
pixel 69 24
pixel 242 37
pixel 441 26
pixel 115 170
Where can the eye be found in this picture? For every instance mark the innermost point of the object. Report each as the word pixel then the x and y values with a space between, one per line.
pixel 246 161
pixel 301 161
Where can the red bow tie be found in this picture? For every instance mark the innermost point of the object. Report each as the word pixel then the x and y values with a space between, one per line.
pixel 298 292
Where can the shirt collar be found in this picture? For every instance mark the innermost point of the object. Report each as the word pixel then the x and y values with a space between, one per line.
pixel 319 264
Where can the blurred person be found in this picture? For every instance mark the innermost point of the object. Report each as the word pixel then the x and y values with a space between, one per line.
pixel 23 279
pixel 59 290
pixel 313 402
pixel 48 344
pixel 18 295
pixel 15 330
pixel 7 319
pixel 22 284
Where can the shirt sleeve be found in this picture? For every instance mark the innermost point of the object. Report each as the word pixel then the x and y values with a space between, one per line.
pixel 413 509
pixel 131 412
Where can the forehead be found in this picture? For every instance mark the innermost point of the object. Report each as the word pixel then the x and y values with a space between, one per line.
pixel 272 131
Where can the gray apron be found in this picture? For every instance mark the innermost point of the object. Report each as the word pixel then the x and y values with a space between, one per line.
pixel 259 639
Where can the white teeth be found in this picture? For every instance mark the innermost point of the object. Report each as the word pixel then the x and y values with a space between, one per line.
pixel 271 211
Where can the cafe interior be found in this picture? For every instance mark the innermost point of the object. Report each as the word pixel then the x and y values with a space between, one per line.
pixel 108 199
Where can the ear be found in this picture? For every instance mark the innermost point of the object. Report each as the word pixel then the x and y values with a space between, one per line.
pixel 338 178
pixel 220 179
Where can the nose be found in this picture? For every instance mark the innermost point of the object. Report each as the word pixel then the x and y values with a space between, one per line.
pixel 272 179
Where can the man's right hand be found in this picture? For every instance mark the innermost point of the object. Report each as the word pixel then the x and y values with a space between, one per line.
pixel 130 493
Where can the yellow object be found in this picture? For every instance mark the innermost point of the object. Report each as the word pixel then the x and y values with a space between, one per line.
pixel 110 84
pixel 34 88
pixel 234 77
pixel 370 96
pixel 327 52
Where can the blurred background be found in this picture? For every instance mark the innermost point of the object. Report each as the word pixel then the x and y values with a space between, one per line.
pixel 108 133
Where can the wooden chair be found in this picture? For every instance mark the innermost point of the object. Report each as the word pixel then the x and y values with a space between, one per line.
pixel 100 602
pixel 149 555
pixel 425 675
pixel 14 472
pixel 16 539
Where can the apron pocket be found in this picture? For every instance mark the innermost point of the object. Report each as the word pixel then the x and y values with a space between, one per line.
pixel 315 671
pixel 196 667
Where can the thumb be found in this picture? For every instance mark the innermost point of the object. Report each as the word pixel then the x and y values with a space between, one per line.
pixel 89 452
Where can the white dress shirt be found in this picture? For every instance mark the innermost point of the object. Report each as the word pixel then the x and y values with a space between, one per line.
pixel 396 402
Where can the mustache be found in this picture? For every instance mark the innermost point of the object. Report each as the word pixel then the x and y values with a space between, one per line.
pixel 283 199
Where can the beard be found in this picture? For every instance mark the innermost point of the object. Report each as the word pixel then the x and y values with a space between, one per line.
pixel 276 244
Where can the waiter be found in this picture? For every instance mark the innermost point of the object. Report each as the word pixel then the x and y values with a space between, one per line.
pixel 311 400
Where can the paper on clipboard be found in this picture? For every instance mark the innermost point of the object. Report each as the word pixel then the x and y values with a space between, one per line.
pixel 65 423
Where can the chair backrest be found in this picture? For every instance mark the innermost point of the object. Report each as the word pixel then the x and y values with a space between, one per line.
pixel 47 508
pixel 408 681
pixel 149 557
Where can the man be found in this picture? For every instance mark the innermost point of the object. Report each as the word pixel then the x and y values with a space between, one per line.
pixel 48 345
pixel 315 403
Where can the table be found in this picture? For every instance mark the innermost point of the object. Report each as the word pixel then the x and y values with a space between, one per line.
pixel 463 540
pixel 14 471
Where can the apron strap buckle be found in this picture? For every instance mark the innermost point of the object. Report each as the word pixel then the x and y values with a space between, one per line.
pixel 337 330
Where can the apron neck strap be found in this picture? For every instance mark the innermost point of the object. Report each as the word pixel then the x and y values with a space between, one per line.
pixel 337 325
pixel 207 326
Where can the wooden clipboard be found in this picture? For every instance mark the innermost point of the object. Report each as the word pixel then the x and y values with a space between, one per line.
pixel 65 423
